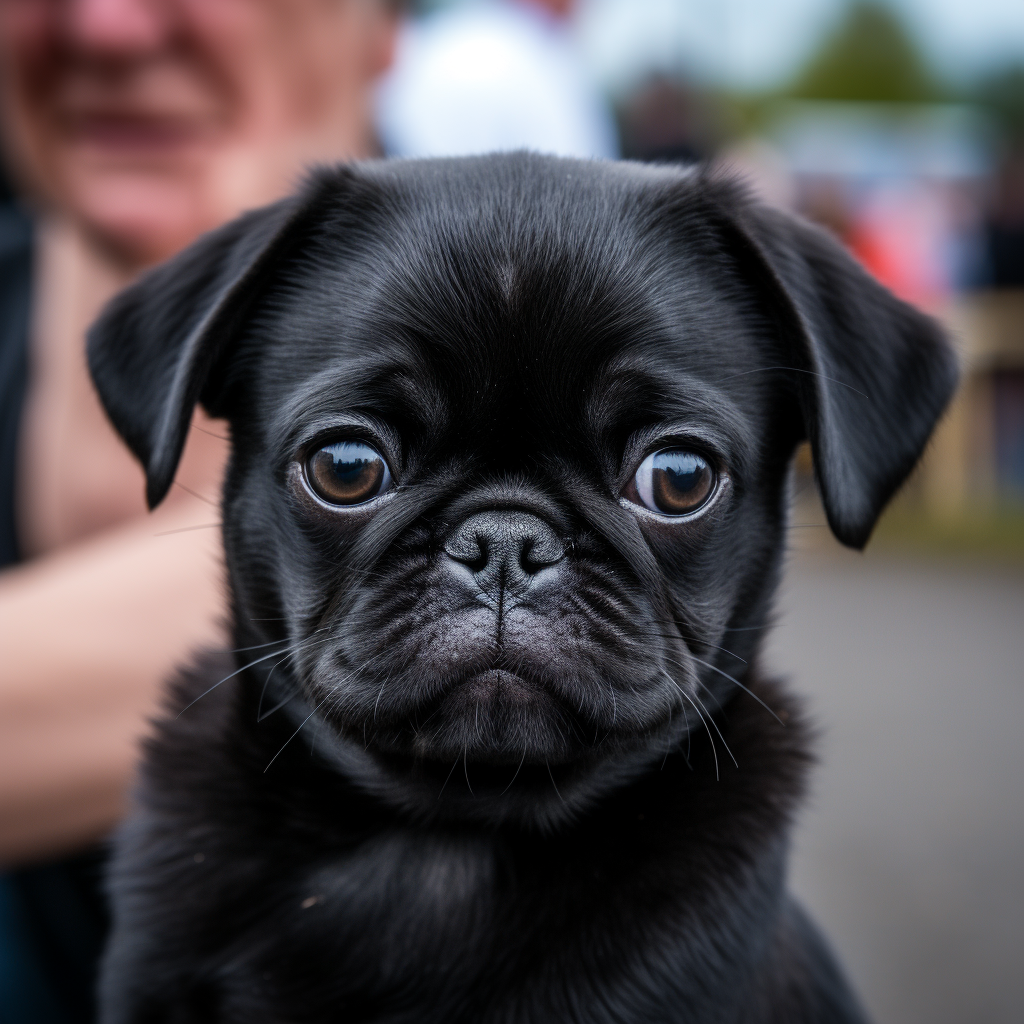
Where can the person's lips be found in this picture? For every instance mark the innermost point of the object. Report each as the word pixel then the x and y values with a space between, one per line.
pixel 135 132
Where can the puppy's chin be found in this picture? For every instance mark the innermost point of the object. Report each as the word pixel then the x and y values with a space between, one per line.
pixel 497 718
pixel 495 780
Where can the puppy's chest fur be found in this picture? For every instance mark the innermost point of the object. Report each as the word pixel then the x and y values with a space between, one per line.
pixel 304 893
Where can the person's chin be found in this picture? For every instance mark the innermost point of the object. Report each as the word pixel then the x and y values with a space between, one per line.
pixel 143 214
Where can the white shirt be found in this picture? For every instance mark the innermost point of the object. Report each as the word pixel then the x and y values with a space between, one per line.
pixel 492 76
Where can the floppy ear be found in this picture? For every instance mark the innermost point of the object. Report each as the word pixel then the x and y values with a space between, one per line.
pixel 874 374
pixel 154 349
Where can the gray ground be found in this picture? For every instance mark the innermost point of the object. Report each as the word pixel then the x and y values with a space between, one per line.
pixel 911 853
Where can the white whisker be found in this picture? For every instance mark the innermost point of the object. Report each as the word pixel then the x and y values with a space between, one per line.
pixel 293 735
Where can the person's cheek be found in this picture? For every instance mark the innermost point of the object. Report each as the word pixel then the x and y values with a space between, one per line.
pixel 29 36
pixel 24 22
pixel 378 26
pixel 240 43
pixel 29 66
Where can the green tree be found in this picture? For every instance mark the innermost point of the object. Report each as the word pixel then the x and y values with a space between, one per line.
pixel 1002 94
pixel 870 57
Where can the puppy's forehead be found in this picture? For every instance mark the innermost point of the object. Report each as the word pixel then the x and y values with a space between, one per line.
pixel 542 297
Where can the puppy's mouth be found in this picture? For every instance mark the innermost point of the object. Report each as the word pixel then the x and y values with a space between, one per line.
pixel 498 717
pixel 489 715
pixel 498 685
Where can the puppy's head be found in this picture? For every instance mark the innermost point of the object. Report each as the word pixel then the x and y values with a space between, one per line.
pixel 511 438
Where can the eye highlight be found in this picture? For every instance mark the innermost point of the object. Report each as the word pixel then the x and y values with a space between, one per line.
pixel 347 473
pixel 674 482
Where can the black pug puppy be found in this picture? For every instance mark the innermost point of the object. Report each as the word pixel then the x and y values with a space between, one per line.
pixel 503 519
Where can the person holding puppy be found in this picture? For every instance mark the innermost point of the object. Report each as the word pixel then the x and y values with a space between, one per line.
pixel 131 127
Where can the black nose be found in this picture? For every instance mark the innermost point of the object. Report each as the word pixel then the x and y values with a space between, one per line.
pixel 504 550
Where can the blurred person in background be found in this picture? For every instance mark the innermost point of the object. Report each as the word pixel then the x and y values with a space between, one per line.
pixel 493 75
pixel 666 120
pixel 1004 234
pixel 130 127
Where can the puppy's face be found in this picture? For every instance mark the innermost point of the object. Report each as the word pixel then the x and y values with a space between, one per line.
pixel 502 517
pixel 510 452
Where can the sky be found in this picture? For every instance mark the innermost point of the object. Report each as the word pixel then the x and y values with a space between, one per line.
pixel 760 43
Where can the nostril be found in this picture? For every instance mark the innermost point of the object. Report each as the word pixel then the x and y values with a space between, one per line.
pixel 525 563
pixel 536 554
pixel 469 548
pixel 477 561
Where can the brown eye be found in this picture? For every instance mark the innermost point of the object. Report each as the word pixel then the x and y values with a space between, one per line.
pixel 674 482
pixel 347 473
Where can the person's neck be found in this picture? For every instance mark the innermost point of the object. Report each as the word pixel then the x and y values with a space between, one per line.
pixel 76 273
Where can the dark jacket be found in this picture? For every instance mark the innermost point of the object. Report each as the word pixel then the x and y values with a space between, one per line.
pixel 52 916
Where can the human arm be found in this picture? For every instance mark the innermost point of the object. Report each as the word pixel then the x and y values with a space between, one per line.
pixel 87 636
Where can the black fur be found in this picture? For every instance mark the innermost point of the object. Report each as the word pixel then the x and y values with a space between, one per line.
pixel 558 792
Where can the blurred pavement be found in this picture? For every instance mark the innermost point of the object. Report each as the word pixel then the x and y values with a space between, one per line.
pixel 911 852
